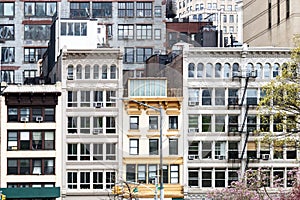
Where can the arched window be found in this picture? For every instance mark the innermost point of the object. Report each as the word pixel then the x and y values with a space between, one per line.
pixel 218 70
pixel 258 69
pixel 87 72
pixel 191 70
pixel 200 67
pixel 267 70
pixel 235 69
pixel 96 71
pixel 78 71
pixel 104 71
pixel 275 70
pixel 113 72
pixel 70 72
pixel 209 70
pixel 250 68
pixel 226 70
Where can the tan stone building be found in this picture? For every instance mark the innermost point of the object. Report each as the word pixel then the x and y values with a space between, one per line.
pixel 271 23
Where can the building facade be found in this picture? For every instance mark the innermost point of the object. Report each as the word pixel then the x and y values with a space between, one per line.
pixel 271 23
pixel 223 14
pixel 31 142
pixel 223 87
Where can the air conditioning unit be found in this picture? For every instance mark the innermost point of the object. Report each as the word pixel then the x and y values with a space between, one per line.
pixel 193 130
pixel 220 157
pixel 24 119
pixel 192 157
pixel 70 77
pixel 39 119
pixel 265 156
pixel 98 104
pixel 236 74
pixel 192 103
pixel 97 131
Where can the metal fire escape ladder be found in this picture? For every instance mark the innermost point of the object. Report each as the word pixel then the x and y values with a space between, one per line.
pixel 245 90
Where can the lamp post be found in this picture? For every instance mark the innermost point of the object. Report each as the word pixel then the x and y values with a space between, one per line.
pixel 160 140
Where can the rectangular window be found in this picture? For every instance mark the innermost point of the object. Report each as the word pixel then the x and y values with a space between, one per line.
pixel 73 29
pixel 97 180
pixel 193 150
pixel 153 122
pixel 125 9
pixel 206 150
pixel 101 9
pixel 84 180
pixel 97 125
pixel 233 152
pixel 232 176
pixel 251 97
pixel 144 9
pixel 219 178
pixel 111 151
pixel 79 10
pixel 125 32
pixel 220 150
pixel 157 11
pixel 220 96
pixel 174 174
pixel 85 99
pixel 72 125
pixel 7 31
pixel 110 179
pixel 173 122
pixel 72 152
pixel 153 146
pixel 251 123
pixel 72 180
pixel 220 123
pixel 231 18
pixel 84 151
pixel 110 125
pixel 8 76
pixel 98 98
pixel 30 166
pixel 173 146
pixel 206 123
pixel 206 178
pixel 157 34
pixel 134 122
pixel 193 178
pixel 206 96
pixel 7 56
pixel 39 9
pixel 152 173
pixel 233 97
pixel 143 32
pixel 233 123
pixel 141 176
pixel 110 102
pixel 98 151
pixel 36 32
pixel 129 55
pixel 142 54
pixel 7 9
pixel 131 172
pixel 134 146
pixel 85 125
pixel 193 123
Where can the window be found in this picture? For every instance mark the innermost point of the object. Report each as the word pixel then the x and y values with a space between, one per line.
pixel 84 180
pixel 130 172
pixel 206 150
pixel 231 18
pixel 173 122
pixel 87 72
pixel 220 123
pixel 206 178
pixel 143 32
pixel 78 71
pixel 220 150
pixel 193 150
pixel 104 71
pixel 174 174
pixel 141 176
pixel 85 99
pixel 7 31
pixel 153 146
pixel 111 151
pixel 251 97
pixel 72 152
pixel 144 9
pixel 79 10
pixel 113 72
pixel 265 123
pixel 200 68
pixel 152 173
pixel 97 125
pixel 110 125
pixel 109 101
pixel 233 96
pixel 30 166
pixel 206 96
pixel 219 96
pixel 173 146
pixel 39 9
pixel 231 29
pixel 193 178
pixel 134 146
pixel 32 55
pixel 232 176
pixel 229 7
pixel 191 70
pixel 8 76
pixel 206 123
pixel 7 9
pixel 209 70
pixel 193 123
pixel 110 179
pixel 125 32
pixel 251 150
pixel 251 123
pixel 7 56
pixel 218 70
pixel 267 70
pixel 98 151
pixel 219 178
pixel 85 125
pixel 157 11
pixel 84 151
pixel 36 32
pixel 96 71
pixel 72 98
pixel 275 70
pixel 233 152
pixel 134 122
pixel 72 125
pixel 72 180
pixel 97 180
pixel 224 18
pixel 157 34
pixel 153 122
pixel 193 96
pixel 142 54
pixel 73 29
pixel 233 123
pixel 125 9
pixel 101 9
pixel 129 55
pixel 31 114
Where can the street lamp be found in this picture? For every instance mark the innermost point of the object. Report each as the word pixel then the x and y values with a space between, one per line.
pixel 160 140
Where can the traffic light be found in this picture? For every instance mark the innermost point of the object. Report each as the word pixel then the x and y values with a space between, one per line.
pixel 3 197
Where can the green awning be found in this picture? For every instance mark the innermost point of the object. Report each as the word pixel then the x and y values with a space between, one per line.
pixel 31 192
